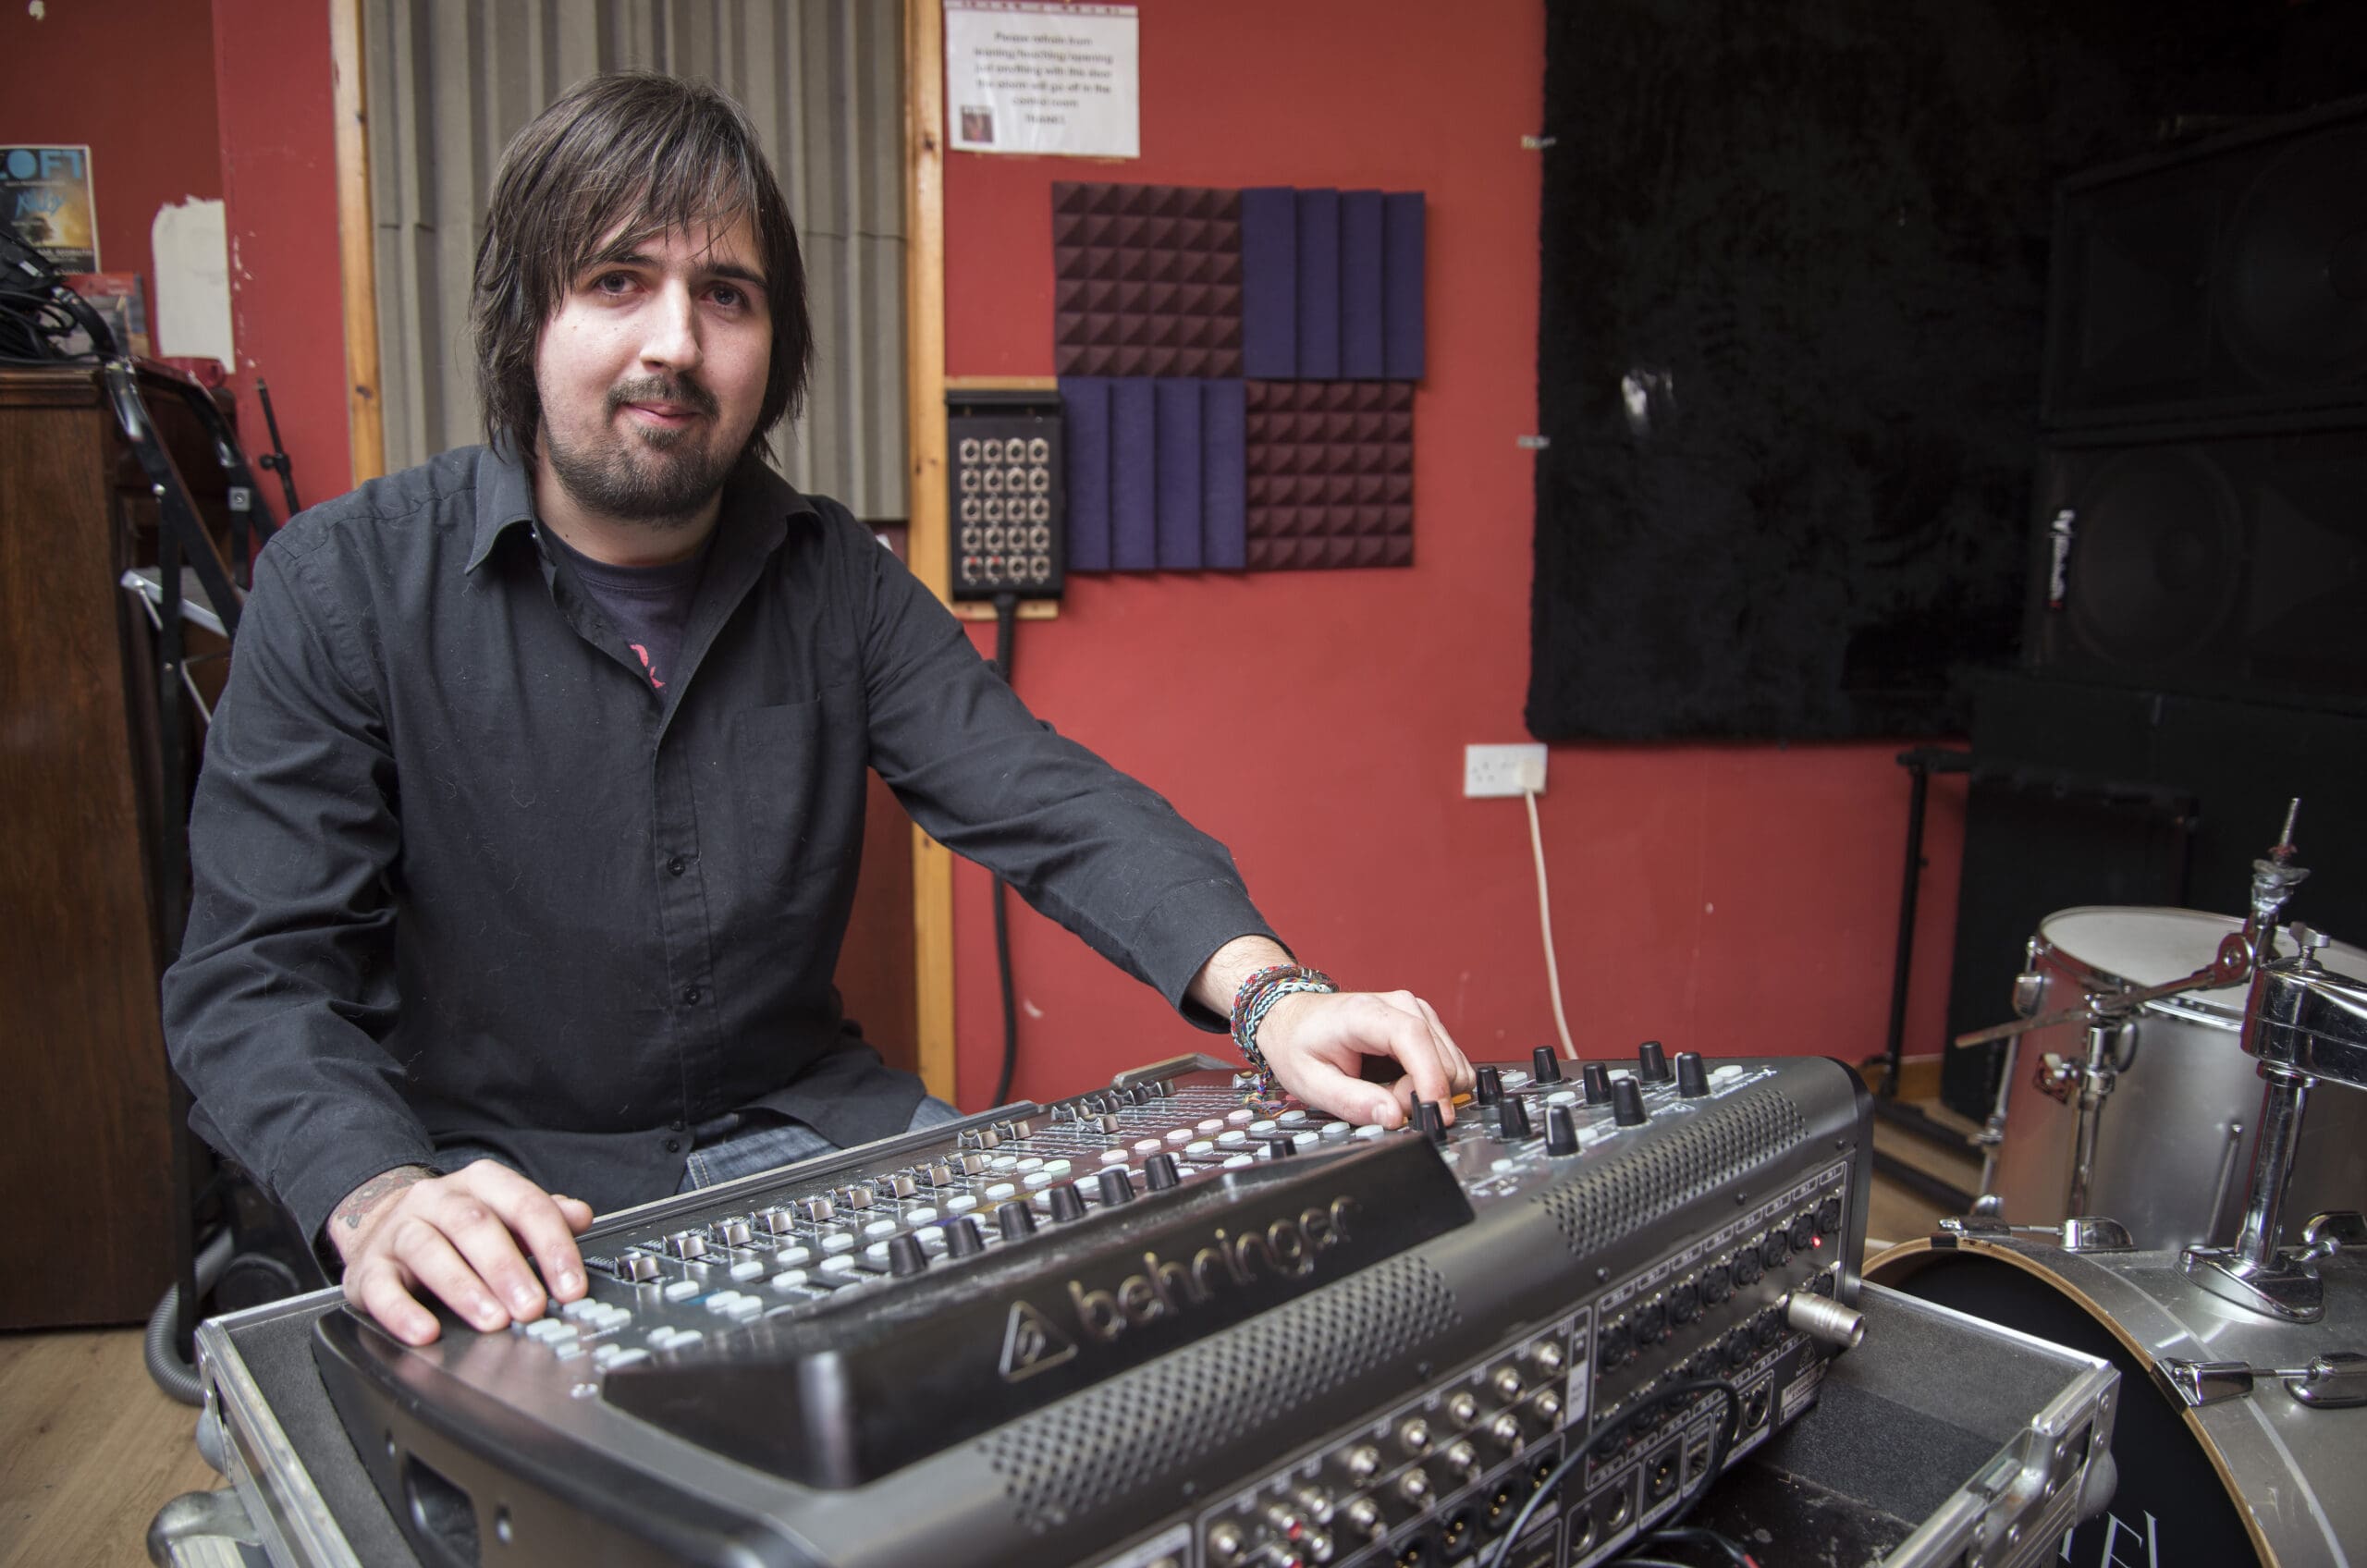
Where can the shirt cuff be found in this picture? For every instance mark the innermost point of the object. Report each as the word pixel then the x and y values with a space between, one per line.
pixel 1184 930
pixel 329 1181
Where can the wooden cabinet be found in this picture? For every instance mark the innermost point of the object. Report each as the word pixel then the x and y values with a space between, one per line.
pixel 85 1140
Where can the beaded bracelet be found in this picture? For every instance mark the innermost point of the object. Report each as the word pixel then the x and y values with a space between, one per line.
pixel 1257 998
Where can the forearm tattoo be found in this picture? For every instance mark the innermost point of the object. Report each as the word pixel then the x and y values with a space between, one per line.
pixel 365 1198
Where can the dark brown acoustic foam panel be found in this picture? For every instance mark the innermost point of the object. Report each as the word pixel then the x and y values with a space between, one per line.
pixel 1146 280
pixel 1330 475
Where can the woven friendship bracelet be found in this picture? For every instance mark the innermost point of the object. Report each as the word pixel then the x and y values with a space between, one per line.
pixel 1256 997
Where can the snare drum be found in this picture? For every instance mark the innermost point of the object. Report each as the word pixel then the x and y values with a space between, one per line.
pixel 2260 1478
pixel 2174 1140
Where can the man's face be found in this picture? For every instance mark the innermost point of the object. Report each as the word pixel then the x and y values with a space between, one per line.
pixel 651 371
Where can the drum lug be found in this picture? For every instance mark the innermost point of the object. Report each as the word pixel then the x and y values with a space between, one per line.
pixel 2337 1380
pixel 2029 989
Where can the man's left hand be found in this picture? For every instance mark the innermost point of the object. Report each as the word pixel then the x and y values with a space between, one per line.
pixel 1316 1043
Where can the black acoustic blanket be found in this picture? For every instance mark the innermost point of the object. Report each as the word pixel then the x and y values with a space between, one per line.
pixel 1793 314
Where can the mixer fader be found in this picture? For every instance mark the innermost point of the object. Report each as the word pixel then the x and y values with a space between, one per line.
pixel 1151 1324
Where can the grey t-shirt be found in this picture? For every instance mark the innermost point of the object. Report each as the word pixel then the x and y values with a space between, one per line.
pixel 649 604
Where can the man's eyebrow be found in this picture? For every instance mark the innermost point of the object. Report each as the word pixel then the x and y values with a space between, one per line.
pixel 636 258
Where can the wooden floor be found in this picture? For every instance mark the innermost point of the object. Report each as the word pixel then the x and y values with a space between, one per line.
pixel 90 1449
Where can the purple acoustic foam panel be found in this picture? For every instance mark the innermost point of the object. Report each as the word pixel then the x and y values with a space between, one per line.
pixel 1146 281
pixel 1133 477
pixel 1400 275
pixel 1176 405
pixel 1270 283
pixel 1319 285
pixel 1330 473
pixel 1224 497
pixel 1360 259
pixel 1085 408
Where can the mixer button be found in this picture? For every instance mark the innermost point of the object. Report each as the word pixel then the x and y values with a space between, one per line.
pixel 878 1229
pixel 1001 1192
pixel 1335 1131
pixel 961 1203
pixel 1260 1128
pixel 1146 1145
pixel 1234 1162
pixel 1292 1118
pixel 1211 1127
pixel 841 1263
pixel 627 1357
pixel 683 1290
pixel 1115 1156
pixel 1200 1148
pixel 837 1242
pixel 1306 1140
pixel 1232 1138
pixel 1371 1129
pixel 924 1215
pixel 1035 1181
pixel 1179 1134
pixel 1241 1117
pixel 748 1268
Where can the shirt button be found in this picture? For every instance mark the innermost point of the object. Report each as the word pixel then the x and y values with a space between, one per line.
pixel 690 997
pixel 673 1126
pixel 673 1146
pixel 676 866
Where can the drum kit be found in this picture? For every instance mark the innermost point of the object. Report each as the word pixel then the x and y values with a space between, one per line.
pixel 2134 1205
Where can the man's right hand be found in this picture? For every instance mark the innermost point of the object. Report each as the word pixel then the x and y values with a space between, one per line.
pixel 409 1233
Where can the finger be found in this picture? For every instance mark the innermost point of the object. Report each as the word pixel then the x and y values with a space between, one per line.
pixel 1324 1084
pixel 1408 1038
pixel 419 1249
pixel 375 1286
pixel 1458 1066
pixel 483 1241
pixel 579 1213
pixel 535 1218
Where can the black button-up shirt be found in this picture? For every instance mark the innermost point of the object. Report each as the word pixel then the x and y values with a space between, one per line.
pixel 461 874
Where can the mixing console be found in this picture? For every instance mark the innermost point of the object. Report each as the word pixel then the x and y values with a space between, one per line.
pixel 1150 1326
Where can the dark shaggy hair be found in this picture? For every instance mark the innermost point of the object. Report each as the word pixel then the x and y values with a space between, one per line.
pixel 652 154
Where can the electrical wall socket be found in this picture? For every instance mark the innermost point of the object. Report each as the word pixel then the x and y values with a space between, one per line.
pixel 1502 770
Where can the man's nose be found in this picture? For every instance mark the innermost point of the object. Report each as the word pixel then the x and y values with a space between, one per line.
pixel 672 338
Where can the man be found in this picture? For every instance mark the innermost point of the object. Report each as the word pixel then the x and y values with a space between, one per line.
pixel 530 817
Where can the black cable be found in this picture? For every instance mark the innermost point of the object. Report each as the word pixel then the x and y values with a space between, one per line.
pixel 1720 1441
pixel 1006 629
pixel 1696 1535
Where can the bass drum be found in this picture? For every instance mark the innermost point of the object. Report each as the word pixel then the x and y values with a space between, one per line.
pixel 2173 1140
pixel 2257 1480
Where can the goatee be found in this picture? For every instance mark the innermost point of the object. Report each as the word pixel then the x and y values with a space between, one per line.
pixel 656 478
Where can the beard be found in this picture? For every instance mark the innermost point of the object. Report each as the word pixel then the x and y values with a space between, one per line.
pixel 656 478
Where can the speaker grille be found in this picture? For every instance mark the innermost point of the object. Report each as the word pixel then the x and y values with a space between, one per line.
pixel 1135 1431
pixel 1631 1192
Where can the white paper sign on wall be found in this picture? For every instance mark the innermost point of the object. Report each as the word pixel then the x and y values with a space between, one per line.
pixel 1021 76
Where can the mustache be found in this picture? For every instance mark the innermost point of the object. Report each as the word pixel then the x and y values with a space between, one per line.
pixel 662 389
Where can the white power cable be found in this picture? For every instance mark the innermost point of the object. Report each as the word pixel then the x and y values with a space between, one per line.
pixel 1545 920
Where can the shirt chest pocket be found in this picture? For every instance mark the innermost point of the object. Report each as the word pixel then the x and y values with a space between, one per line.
pixel 793 800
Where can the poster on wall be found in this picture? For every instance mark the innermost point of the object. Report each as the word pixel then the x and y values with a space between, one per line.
pixel 1021 76
pixel 46 192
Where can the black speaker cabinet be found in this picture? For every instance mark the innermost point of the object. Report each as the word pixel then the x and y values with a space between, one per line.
pixel 2234 565
pixel 2226 279
pixel 2098 794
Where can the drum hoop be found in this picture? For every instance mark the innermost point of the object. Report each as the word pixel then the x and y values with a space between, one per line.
pixel 2088 977
pixel 2138 1352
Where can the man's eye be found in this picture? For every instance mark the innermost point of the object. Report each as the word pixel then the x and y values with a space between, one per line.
pixel 730 295
pixel 613 282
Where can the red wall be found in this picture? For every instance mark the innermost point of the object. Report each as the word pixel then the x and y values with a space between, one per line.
pixel 1719 897
pixel 275 80
pixel 140 95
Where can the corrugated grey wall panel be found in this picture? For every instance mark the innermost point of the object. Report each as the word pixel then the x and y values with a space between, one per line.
pixel 451 80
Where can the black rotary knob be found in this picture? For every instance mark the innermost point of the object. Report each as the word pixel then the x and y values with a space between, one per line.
pixel 1116 1186
pixel 1491 1087
pixel 1433 1123
pixel 1626 1102
pixel 963 1239
pixel 1546 1064
pixel 1561 1130
pixel 1652 1062
pixel 1692 1076
pixel 905 1256
pixel 1512 1118
pixel 1016 1220
pixel 1160 1172
pixel 1066 1202
pixel 1597 1079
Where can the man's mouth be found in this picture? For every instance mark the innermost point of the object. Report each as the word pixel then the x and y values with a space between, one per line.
pixel 662 406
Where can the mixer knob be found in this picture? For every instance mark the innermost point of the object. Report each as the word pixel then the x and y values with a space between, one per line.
pixel 734 1233
pixel 1507 1384
pixel 776 1220
pixel 1653 1062
pixel 1462 1408
pixel 636 1267
pixel 818 1209
pixel 1065 1201
pixel 1490 1087
pixel 1365 1516
pixel 1116 1186
pixel 1512 1118
pixel 1433 1123
pixel 1414 1434
pixel 1597 1079
pixel 1015 1220
pixel 686 1243
pixel 962 1238
pixel 1626 1102
pixel 1692 1077
pixel 1545 1065
pixel 1415 1486
pixel 860 1196
pixel 1561 1130
pixel 905 1255
pixel 1159 1172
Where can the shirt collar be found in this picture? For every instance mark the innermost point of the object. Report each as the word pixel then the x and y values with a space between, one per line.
pixel 757 504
